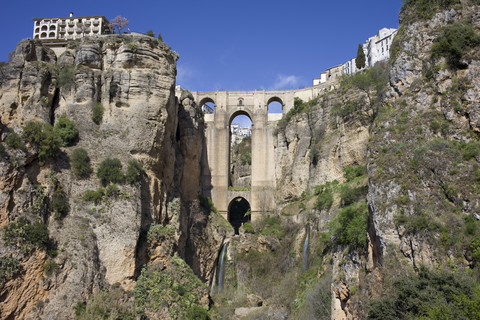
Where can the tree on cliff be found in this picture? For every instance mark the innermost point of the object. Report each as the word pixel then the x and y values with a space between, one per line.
pixel 360 60
pixel 119 23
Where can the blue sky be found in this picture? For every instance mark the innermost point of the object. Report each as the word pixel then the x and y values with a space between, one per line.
pixel 231 45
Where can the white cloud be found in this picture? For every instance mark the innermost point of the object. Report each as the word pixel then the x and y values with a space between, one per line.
pixel 286 82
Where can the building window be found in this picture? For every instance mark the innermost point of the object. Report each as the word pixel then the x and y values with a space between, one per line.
pixel 43 35
pixel 51 35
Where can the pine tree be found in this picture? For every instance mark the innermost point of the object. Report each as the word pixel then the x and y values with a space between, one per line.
pixel 360 60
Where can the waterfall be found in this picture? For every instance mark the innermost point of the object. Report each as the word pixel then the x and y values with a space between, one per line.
pixel 305 248
pixel 221 267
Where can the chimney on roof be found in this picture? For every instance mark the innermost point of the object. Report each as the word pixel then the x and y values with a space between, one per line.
pixel 71 14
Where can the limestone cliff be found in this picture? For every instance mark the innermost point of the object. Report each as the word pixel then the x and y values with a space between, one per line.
pixel 131 80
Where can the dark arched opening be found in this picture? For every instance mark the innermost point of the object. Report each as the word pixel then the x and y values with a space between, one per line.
pixel 275 105
pixel 238 213
pixel 207 105
pixel 240 155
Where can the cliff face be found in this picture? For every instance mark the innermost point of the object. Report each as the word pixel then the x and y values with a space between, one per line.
pixel 95 245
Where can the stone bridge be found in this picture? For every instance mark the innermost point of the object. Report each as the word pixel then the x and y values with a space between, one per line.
pixel 254 104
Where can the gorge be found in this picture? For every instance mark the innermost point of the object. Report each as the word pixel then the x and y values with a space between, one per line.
pixel 364 200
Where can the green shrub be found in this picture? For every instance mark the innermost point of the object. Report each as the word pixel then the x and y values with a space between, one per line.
pixel 9 267
pixel 372 81
pixel 416 223
pixel 247 226
pixel 454 41
pixel 80 308
pixel 50 267
pixel 324 194
pixel 352 172
pixel 60 203
pixel 97 113
pixel 110 170
pixel 425 9
pixel 20 233
pixel 106 304
pixel 429 295
pixel 66 131
pixel 175 288
pixel 196 312
pixel 159 232
pixel 271 225
pixel 349 227
pixel 14 141
pixel 349 195
pixel 65 77
pixel 150 33
pixel 134 171
pixel 299 106
pixel 324 200
pixel 112 191
pixel 44 137
pixel 80 163
pixel 94 196
pixel 207 204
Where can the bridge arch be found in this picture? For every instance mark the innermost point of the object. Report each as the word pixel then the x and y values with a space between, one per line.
pixel 239 112
pixel 275 99
pixel 275 105
pixel 239 212
pixel 208 105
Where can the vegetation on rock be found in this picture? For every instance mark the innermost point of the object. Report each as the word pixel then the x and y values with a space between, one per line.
pixel 25 235
pixel 110 170
pixel 9 267
pixel 455 40
pixel 175 291
pixel 44 137
pixel 66 131
pixel 80 163
pixel 97 113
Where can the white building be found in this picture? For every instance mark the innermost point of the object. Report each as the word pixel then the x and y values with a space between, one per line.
pixel 68 28
pixel 238 133
pixel 376 48
pixel 350 66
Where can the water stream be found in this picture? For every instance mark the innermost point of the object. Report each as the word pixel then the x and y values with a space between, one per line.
pixel 221 267
pixel 305 248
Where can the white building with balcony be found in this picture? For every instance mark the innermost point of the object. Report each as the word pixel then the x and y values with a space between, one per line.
pixel 69 28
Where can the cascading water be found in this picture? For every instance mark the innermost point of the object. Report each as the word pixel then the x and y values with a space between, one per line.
pixel 305 248
pixel 221 267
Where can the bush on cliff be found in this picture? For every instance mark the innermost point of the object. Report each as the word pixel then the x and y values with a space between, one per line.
pixel 66 131
pixel 25 235
pixel 430 294
pixel 134 171
pixel 80 163
pixel 97 113
pixel 425 9
pixel 455 39
pixel 44 137
pixel 110 170
pixel 9 267
pixel 14 141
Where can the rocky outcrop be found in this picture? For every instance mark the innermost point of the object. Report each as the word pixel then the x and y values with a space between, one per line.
pixel 132 78
pixel 314 146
